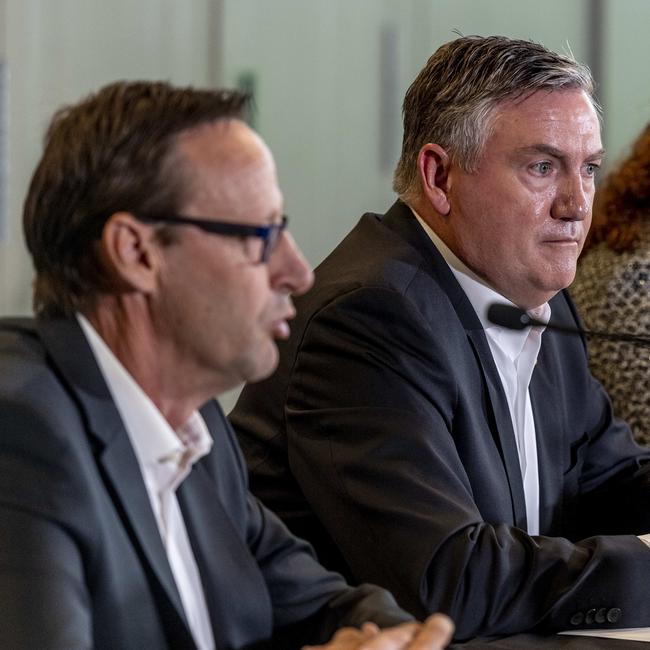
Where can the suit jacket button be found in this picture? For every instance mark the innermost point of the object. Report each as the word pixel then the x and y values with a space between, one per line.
pixel 601 615
pixel 577 618
pixel 591 615
pixel 614 614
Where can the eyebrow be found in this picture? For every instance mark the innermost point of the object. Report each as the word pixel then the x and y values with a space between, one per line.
pixel 275 217
pixel 553 151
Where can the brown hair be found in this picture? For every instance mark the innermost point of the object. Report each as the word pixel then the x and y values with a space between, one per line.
pixel 623 200
pixel 112 151
pixel 453 99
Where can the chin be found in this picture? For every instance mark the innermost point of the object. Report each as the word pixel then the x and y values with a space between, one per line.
pixel 553 281
pixel 263 366
pixel 562 283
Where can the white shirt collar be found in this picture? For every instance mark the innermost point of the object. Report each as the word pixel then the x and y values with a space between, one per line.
pixel 153 439
pixel 165 458
pixel 515 355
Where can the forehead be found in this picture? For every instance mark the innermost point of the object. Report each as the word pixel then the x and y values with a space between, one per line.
pixel 563 119
pixel 229 168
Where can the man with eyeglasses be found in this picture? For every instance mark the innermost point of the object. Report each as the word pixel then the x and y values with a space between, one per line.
pixel 164 275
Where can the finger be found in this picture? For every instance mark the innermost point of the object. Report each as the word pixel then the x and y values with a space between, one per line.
pixel 394 638
pixel 347 638
pixel 370 629
pixel 435 633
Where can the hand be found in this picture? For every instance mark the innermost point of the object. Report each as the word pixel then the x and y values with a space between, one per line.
pixel 434 634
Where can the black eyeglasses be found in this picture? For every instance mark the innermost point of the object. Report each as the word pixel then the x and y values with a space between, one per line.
pixel 270 235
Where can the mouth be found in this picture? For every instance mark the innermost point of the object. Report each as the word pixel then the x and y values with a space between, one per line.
pixel 280 327
pixel 571 234
pixel 562 241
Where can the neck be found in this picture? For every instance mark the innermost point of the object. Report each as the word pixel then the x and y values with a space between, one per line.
pixel 127 329
pixel 438 224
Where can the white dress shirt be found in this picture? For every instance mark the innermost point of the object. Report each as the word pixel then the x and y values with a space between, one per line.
pixel 515 355
pixel 165 457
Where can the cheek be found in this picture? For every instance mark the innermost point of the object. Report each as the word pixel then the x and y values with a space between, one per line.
pixel 254 300
pixel 586 226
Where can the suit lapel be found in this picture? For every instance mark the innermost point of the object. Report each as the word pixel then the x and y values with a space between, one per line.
pixel 210 497
pixel 228 573
pixel 401 220
pixel 550 423
pixel 68 348
pixel 502 431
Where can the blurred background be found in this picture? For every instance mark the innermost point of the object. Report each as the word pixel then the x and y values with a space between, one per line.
pixel 328 78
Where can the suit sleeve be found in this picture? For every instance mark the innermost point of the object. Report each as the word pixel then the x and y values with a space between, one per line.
pixel 373 441
pixel 43 597
pixel 612 470
pixel 310 603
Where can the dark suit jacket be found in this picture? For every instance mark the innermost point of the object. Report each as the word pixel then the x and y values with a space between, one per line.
pixel 81 560
pixel 385 438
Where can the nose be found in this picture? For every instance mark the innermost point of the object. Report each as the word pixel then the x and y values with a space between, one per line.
pixel 574 199
pixel 290 271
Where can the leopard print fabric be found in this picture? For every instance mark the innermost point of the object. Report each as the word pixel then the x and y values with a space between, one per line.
pixel 612 293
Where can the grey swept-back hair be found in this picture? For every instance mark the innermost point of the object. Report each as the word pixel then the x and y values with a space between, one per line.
pixel 453 99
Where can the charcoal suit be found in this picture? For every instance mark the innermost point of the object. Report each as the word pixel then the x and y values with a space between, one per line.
pixel 385 439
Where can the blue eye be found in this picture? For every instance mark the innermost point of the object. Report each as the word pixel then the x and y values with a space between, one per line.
pixel 592 169
pixel 543 167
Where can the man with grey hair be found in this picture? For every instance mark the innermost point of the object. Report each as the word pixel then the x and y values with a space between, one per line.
pixel 468 468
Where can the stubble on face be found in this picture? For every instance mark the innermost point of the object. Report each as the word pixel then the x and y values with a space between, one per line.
pixel 519 221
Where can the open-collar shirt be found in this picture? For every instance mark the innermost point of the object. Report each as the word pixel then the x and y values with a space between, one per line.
pixel 165 457
pixel 515 355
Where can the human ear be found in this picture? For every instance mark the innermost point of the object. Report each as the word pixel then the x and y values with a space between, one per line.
pixel 433 167
pixel 129 253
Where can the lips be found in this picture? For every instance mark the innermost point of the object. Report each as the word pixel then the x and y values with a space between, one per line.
pixel 280 327
pixel 570 233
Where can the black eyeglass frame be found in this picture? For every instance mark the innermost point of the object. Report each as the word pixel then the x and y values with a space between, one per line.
pixel 270 234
